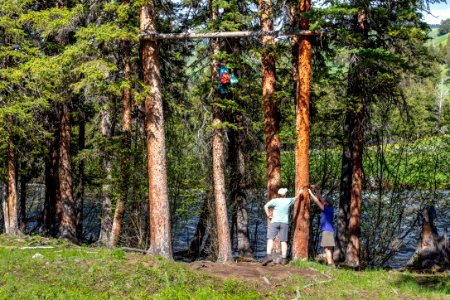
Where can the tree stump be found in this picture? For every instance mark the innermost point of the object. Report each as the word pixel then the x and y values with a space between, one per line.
pixel 433 251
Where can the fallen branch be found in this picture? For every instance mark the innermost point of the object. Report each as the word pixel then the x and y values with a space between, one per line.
pixel 37 247
pixel 317 283
pixel 134 250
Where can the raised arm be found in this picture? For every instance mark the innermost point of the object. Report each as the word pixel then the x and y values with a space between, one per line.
pixel 267 211
pixel 318 202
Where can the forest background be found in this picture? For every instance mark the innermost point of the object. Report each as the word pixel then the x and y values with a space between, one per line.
pixel 69 68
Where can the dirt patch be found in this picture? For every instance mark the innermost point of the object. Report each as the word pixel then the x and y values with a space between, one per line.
pixel 253 272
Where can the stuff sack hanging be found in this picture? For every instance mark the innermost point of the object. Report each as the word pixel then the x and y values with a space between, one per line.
pixel 224 76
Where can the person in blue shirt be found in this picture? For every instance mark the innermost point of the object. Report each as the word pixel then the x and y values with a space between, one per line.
pixel 279 223
pixel 326 223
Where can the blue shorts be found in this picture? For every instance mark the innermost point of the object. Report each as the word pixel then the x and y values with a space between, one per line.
pixel 277 227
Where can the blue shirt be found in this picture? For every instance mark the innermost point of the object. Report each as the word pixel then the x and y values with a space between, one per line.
pixel 326 219
pixel 281 209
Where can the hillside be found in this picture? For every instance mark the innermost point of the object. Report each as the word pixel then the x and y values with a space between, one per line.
pixel 437 40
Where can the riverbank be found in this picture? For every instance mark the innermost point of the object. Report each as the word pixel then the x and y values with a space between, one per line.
pixel 34 267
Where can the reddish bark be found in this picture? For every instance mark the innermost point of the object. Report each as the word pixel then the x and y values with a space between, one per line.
pixel 68 220
pixel 160 231
pixel 270 104
pixel 352 255
pixel 302 207
pixel 12 215
pixel 270 109
pixel 223 232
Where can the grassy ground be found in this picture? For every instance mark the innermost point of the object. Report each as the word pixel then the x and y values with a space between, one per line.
pixel 437 40
pixel 69 272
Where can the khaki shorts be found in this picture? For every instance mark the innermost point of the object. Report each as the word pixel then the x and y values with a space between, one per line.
pixel 327 239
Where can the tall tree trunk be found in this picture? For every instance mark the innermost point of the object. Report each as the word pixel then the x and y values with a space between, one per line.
pixel 68 221
pixel 237 164
pixel 12 211
pixel 358 96
pixel 352 255
pixel 346 190
pixel 223 231
pixel 294 19
pixel 302 207
pixel 271 114
pixel 126 147
pixel 105 236
pixel 80 189
pixel 270 103
pixel 160 231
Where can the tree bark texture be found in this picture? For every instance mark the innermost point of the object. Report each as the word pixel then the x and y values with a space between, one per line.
pixel 160 231
pixel 223 231
pixel 302 206
pixel 12 212
pixel 270 103
pixel 68 221
pixel 358 97
pixel 352 255
pixel 345 190
pixel 126 147
pixel 433 251
pixel 294 24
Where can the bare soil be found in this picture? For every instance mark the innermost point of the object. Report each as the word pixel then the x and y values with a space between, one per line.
pixel 272 275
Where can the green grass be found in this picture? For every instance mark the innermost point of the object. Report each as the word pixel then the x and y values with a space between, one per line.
pixel 69 272
pixel 437 40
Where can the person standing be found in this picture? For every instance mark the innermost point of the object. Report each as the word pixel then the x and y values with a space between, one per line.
pixel 326 223
pixel 279 223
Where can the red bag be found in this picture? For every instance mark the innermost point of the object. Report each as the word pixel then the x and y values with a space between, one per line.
pixel 225 78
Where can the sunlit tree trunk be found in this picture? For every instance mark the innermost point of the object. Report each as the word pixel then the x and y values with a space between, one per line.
pixel 294 19
pixel 270 109
pixel 270 103
pixel 12 202
pixel 223 231
pixel 302 207
pixel 160 231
